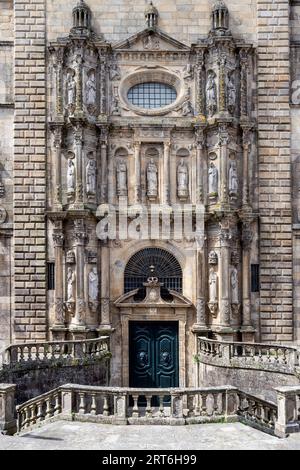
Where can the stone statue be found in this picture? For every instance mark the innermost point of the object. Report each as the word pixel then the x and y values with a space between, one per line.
pixel 93 285
pixel 233 178
pixel 91 177
pixel 231 94
pixel 213 286
pixel 152 180
pixel 71 88
pixel 212 179
pixel 71 176
pixel 121 178
pixel 91 90
pixel 188 71
pixel 114 72
pixel 211 94
pixel 234 286
pixel 182 178
pixel 71 277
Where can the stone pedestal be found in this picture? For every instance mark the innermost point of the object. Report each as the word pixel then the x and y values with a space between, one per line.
pixel 8 424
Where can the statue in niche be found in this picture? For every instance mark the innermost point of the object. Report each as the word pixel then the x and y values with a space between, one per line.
pixel 182 179
pixel 91 177
pixel 91 90
pixel 93 285
pixel 114 72
pixel 152 180
pixel 122 178
pixel 211 94
pixel 71 88
pixel 234 286
pixel 213 286
pixel 233 178
pixel 231 94
pixel 213 179
pixel 187 108
pixel 188 72
pixel 71 278
pixel 71 176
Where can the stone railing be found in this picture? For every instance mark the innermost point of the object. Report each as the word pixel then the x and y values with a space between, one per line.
pixel 148 406
pixel 272 357
pixel 56 351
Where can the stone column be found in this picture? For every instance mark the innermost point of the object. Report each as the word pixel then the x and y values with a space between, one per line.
pixel 200 103
pixel 222 84
pixel 166 174
pixel 247 329
pixel 78 137
pixel 105 323
pixel 201 318
pixel 200 159
pixel 57 132
pixel 103 106
pixel 78 321
pixel 224 287
pixel 224 141
pixel 58 241
pixel 137 171
pixel 244 63
pixel 58 64
pixel 103 144
pixel 246 146
pixel 79 63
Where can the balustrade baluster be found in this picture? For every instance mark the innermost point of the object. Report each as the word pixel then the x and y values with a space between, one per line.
pixel 27 417
pixel 197 405
pixel 191 404
pixel 33 414
pixel 276 359
pixel 57 405
pixel 135 409
pixel 81 403
pixel 49 410
pixel 268 355
pixel 260 353
pixel 21 349
pixel 203 404
pixel 93 404
pixel 149 407
pixel 40 415
pixel 105 406
pixel 216 405
pixel 161 406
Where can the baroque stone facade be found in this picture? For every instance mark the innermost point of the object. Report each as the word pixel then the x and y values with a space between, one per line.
pixel 74 136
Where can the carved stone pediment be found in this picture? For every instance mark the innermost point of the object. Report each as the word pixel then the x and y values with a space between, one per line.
pixel 151 39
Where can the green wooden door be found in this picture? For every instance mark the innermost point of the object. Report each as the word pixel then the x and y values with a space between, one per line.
pixel 153 354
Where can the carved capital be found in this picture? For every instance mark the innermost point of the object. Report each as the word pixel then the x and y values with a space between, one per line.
pixel 79 233
pixel 58 239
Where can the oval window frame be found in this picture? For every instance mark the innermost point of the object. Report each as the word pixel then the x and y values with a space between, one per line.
pixel 158 87
pixel 146 76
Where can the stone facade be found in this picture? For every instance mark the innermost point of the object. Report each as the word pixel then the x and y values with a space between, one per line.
pixel 72 138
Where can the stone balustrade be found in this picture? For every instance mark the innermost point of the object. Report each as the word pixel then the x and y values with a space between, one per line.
pixel 7 409
pixel 249 355
pixel 148 406
pixel 56 350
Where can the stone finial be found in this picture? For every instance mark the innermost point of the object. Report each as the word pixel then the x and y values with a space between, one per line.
pixel 151 15
pixel 81 18
pixel 220 16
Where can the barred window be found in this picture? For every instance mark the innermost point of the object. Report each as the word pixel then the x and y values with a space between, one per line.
pixel 51 276
pixel 152 95
pixel 255 278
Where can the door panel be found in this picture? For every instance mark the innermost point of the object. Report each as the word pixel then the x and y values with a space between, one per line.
pixel 153 354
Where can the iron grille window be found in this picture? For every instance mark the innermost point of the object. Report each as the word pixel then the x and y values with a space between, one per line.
pixel 254 277
pixel 152 95
pixel 153 262
pixel 51 276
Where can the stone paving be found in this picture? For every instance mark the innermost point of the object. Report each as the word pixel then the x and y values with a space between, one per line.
pixel 88 436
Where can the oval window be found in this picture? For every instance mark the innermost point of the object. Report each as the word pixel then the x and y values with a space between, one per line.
pixel 151 95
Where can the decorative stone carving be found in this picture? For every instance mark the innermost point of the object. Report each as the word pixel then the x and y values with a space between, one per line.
pixel 231 93
pixel 233 179
pixel 114 72
pixel 182 180
pixel 211 94
pixel 213 286
pixel 122 178
pixel 152 179
pixel 115 109
pixel 3 215
pixel 91 257
pixel 93 284
pixel 59 312
pixel 71 90
pixel 234 282
pixel 91 177
pixel 235 259
pixel 71 278
pixel 91 91
pixel 187 108
pixel 213 258
pixel 213 179
pixel 2 187
pixel 70 258
pixel 151 42
pixel 188 72
pixel 71 176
